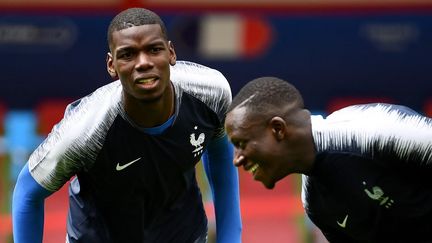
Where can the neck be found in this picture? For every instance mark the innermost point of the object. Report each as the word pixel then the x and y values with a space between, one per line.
pixel 151 113
pixel 302 143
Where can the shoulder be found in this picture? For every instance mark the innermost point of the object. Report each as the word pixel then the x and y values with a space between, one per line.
pixel 194 74
pixel 377 110
pixel 77 139
pixel 371 117
pixel 374 129
pixel 206 84
pixel 103 94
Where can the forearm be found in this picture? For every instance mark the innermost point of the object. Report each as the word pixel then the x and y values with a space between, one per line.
pixel 28 209
pixel 223 180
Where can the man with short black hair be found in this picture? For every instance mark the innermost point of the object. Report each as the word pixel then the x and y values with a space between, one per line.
pixel 367 168
pixel 133 145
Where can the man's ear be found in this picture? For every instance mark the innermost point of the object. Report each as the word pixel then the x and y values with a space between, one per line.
pixel 278 127
pixel 173 55
pixel 110 67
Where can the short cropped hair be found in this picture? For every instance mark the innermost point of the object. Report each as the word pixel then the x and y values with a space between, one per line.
pixel 266 95
pixel 134 17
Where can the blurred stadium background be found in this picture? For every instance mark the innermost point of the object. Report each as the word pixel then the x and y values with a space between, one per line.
pixel 336 52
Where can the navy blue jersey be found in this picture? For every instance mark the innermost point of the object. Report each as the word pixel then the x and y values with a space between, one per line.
pixel 132 186
pixel 371 181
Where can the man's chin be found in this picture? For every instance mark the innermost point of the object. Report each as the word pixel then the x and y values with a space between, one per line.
pixel 268 185
pixel 148 100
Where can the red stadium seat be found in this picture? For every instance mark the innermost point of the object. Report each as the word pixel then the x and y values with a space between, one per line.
pixel 341 102
pixel 49 112
pixel 427 107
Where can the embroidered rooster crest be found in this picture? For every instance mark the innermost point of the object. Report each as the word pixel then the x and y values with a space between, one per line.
pixel 197 142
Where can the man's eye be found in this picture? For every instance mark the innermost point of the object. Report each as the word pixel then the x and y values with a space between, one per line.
pixel 240 144
pixel 125 55
pixel 156 49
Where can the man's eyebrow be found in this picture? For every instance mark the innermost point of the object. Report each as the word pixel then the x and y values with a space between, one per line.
pixel 126 48
pixel 157 42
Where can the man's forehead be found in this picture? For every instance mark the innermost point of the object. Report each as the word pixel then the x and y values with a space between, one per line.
pixel 239 111
pixel 239 118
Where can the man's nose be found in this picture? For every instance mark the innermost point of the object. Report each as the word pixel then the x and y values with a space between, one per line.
pixel 143 61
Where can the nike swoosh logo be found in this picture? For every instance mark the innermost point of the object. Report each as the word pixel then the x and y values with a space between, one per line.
pixel 343 224
pixel 122 167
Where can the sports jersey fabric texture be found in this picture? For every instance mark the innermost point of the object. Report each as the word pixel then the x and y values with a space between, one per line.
pixel 371 180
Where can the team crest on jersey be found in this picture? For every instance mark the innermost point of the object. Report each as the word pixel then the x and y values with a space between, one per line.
pixel 197 142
